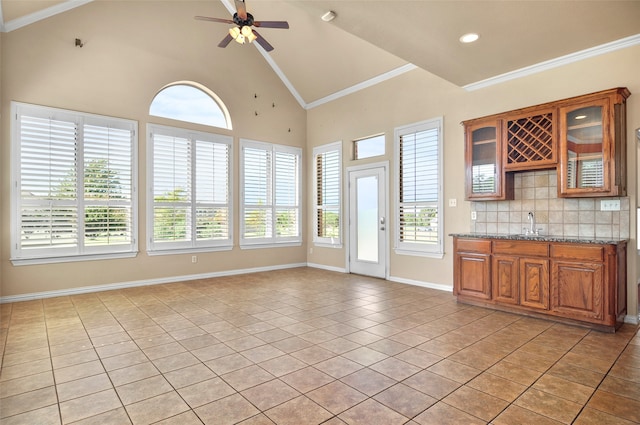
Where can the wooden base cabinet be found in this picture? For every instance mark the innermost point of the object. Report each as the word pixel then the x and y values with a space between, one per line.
pixel 504 278
pixel 520 281
pixel 534 283
pixel 578 292
pixel 472 268
pixel 580 283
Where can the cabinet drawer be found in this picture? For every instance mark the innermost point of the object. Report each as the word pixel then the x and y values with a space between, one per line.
pixel 473 245
pixel 538 249
pixel 578 252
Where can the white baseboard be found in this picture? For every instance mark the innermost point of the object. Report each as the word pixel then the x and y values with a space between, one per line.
pixel 325 267
pixel 146 282
pixel 430 285
pixel 634 320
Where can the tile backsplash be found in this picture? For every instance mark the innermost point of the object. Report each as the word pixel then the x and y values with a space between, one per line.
pixel 537 191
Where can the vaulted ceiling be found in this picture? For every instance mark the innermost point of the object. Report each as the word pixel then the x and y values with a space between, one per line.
pixel 372 40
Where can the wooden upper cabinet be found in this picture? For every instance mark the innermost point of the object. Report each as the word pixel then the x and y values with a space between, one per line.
pixel 593 145
pixel 485 178
pixel 530 140
pixel 582 137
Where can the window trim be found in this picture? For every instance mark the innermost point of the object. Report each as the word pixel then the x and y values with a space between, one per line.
pixel 318 240
pixel 412 248
pixel 274 241
pixel 81 252
pixel 193 245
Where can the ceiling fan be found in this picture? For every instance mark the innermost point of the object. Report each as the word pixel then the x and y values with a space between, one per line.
pixel 243 32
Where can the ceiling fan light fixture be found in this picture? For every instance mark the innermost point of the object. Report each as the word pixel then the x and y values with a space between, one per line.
pixel 329 16
pixel 236 35
pixel 469 37
pixel 248 33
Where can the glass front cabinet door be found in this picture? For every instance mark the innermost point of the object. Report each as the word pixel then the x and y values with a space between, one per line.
pixel 592 147
pixel 485 179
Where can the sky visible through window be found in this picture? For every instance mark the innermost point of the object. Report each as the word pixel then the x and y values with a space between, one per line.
pixel 188 103
pixel 371 146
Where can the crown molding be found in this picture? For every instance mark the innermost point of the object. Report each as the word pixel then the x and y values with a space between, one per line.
pixel 363 85
pixel 41 14
pixel 623 43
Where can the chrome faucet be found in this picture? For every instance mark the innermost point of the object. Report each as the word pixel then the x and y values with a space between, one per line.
pixel 532 224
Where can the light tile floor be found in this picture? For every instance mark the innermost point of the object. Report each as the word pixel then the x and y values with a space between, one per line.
pixel 305 346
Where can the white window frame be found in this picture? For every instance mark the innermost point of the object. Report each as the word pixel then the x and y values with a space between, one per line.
pixel 192 244
pixel 434 250
pixel 79 251
pixel 274 240
pixel 319 240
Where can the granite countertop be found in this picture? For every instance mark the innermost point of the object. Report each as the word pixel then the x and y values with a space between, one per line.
pixel 541 238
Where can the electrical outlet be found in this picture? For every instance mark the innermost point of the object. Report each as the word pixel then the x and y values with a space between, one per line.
pixel 453 202
pixel 610 205
pixel 474 215
pixel 194 259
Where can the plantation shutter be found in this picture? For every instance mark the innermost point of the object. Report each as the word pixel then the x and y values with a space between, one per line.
pixel 191 189
pixel 212 191
pixel 75 184
pixel 419 187
pixel 591 173
pixel 171 188
pixel 48 183
pixel 483 178
pixel 328 194
pixel 286 194
pixel 270 193
pixel 257 193
pixel 108 185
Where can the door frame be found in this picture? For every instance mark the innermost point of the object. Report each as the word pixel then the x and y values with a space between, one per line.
pixel 347 195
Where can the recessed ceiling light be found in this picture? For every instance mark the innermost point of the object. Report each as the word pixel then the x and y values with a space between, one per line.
pixel 469 38
pixel 329 16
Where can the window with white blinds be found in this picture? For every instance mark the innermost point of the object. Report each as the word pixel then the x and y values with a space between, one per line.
pixel 74 185
pixel 483 177
pixel 584 172
pixel 328 194
pixel 418 153
pixel 270 194
pixel 190 190
pixel 591 173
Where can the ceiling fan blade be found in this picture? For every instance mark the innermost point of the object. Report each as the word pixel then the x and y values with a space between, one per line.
pixel 206 18
pixel 271 24
pixel 241 8
pixel 262 42
pixel 225 41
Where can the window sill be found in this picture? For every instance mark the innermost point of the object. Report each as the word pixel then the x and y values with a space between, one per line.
pixel 436 255
pixel 178 251
pixel 327 245
pixel 71 259
pixel 269 245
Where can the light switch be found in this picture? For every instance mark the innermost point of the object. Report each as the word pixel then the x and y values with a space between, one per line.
pixel 453 202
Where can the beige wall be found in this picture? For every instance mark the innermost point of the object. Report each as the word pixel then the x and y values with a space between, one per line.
pixel 418 96
pixel 131 50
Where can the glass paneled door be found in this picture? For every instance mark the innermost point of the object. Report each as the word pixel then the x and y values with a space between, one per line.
pixel 368 221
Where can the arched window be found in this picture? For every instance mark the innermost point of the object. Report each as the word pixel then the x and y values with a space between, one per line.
pixel 191 102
